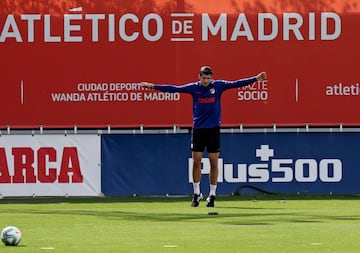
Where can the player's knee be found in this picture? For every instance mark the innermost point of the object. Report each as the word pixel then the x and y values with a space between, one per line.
pixel 213 168
pixel 197 163
pixel 214 163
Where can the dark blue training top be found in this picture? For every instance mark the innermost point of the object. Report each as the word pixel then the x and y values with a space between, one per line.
pixel 206 100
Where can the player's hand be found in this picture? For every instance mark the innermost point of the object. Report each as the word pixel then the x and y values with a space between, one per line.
pixel 261 76
pixel 147 85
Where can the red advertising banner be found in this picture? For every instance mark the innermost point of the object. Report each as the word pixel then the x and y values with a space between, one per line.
pixel 66 63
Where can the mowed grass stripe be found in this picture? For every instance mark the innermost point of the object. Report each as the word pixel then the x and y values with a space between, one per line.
pixel 272 223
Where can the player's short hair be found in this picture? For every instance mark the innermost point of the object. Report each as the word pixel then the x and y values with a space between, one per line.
pixel 205 70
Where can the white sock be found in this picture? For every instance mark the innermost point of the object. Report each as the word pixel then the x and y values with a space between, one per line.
pixel 196 187
pixel 212 189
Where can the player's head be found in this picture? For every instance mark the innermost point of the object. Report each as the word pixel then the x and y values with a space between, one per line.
pixel 205 75
pixel 205 70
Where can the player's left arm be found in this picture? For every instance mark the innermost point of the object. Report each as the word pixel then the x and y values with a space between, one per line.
pixel 246 81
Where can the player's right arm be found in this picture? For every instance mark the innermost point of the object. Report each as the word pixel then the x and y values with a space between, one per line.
pixel 186 88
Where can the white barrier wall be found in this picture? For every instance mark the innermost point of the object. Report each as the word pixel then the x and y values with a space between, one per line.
pixel 50 165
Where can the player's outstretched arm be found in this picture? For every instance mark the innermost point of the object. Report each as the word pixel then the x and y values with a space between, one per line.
pixel 147 85
pixel 171 88
pixel 261 76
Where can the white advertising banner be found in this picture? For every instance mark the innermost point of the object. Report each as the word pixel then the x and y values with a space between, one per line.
pixel 50 165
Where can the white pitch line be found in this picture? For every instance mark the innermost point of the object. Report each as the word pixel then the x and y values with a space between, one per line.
pixel 296 90
pixel 22 92
pixel 316 243
pixel 170 246
pixel 47 248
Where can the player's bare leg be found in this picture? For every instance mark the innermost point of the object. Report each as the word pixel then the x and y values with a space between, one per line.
pixel 197 156
pixel 213 157
pixel 213 176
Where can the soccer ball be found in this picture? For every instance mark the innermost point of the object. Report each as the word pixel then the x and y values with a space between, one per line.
pixel 11 236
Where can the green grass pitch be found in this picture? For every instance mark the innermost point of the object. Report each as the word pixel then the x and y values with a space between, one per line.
pixel 256 223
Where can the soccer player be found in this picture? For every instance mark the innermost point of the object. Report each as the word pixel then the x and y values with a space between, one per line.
pixel 206 95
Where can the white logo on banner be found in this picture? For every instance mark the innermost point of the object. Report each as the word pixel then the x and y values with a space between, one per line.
pixel 275 170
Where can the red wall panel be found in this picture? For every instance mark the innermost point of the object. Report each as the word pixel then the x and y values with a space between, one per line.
pixel 311 72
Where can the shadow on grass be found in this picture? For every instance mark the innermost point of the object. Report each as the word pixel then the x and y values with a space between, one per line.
pixel 224 218
pixel 165 199
pixel 228 215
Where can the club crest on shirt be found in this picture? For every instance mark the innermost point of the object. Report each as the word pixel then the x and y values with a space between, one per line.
pixel 212 91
